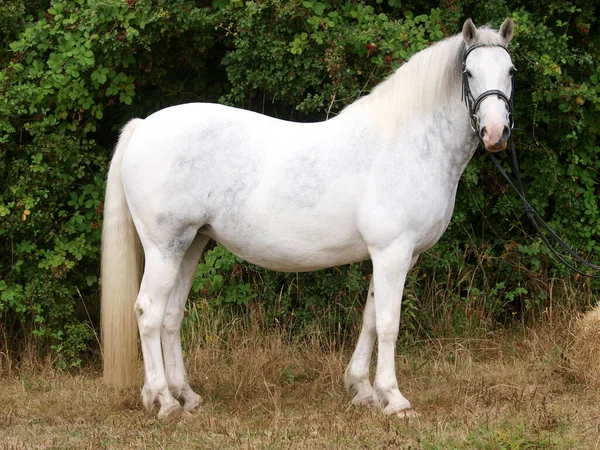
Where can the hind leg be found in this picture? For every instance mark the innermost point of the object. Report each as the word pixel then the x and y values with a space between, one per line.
pixel 160 275
pixel 170 334
pixel 164 252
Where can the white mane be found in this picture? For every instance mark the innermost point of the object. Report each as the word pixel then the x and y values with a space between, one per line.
pixel 429 78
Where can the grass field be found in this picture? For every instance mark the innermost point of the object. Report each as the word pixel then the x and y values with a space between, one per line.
pixel 508 390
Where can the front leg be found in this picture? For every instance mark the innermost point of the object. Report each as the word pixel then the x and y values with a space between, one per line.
pixel 390 267
pixel 356 377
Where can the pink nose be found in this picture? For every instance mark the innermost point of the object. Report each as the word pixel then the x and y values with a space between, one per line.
pixel 495 137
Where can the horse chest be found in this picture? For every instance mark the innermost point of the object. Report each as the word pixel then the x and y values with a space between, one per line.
pixel 405 200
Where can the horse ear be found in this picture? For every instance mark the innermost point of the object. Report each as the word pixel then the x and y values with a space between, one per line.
pixel 469 31
pixel 507 29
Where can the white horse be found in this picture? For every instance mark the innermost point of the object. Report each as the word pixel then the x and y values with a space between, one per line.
pixel 378 181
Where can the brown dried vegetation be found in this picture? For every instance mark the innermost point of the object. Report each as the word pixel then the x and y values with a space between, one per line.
pixel 264 389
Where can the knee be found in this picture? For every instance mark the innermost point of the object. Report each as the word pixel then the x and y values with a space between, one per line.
pixel 387 330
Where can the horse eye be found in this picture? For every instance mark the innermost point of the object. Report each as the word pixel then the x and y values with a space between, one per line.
pixel 469 74
pixel 512 70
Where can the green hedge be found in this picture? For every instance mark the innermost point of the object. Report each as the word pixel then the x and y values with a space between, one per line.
pixel 72 72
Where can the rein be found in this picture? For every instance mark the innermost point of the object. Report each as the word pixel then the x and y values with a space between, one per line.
pixel 534 217
pixel 536 220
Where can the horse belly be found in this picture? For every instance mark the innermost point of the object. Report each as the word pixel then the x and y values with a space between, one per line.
pixel 291 238
pixel 288 250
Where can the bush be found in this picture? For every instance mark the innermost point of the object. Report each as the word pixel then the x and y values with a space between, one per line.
pixel 75 71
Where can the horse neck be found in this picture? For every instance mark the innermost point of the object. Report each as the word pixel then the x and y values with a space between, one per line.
pixel 452 136
pixel 419 109
pixel 441 137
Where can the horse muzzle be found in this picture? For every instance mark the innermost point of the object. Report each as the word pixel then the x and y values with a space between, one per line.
pixel 495 137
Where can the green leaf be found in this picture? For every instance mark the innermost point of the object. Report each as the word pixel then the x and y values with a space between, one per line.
pixel 319 8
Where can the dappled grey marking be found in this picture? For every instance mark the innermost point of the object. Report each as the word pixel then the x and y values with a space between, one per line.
pixel 303 181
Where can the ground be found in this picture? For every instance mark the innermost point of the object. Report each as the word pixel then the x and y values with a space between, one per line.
pixel 509 390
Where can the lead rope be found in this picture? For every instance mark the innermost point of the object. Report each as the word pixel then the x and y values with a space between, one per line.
pixel 534 217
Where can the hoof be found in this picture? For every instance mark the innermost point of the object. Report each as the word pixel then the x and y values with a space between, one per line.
pixel 173 413
pixel 363 400
pixel 400 408
pixel 192 403
pixel 180 416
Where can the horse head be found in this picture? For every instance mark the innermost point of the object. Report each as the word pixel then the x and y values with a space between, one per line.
pixel 488 85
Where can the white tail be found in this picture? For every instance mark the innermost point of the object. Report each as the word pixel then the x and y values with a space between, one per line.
pixel 121 273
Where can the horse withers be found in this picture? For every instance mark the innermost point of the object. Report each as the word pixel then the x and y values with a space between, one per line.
pixel 378 181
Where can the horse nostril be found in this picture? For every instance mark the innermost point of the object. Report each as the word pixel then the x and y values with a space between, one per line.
pixel 482 133
pixel 505 133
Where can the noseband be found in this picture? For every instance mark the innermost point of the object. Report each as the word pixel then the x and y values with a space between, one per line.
pixel 474 103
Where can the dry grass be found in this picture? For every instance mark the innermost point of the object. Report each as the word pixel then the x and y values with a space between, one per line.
pixel 585 352
pixel 510 389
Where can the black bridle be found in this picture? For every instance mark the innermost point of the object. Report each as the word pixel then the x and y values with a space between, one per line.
pixel 474 103
pixel 534 217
